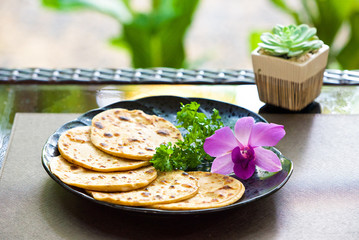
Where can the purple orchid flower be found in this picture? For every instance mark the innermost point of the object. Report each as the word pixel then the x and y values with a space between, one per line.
pixel 242 151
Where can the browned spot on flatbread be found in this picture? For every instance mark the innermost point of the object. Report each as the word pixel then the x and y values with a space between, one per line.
pixel 108 135
pixel 133 140
pixel 163 132
pixel 225 187
pixel 123 118
pixel 99 125
pixel 150 171
pixel 145 194
pixel 73 167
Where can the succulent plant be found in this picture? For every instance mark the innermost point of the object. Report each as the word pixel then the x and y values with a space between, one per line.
pixel 290 41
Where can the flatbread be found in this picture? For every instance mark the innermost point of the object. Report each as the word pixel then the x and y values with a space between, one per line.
pixel 76 147
pixel 131 134
pixel 77 176
pixel 168 187
pixel 215 190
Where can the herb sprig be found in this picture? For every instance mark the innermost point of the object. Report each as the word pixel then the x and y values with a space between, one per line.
pixel 188 154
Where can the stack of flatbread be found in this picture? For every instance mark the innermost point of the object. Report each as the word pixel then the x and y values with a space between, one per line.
pixel 110 161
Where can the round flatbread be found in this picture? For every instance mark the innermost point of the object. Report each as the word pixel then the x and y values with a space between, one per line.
pixel 131 134
pixel 215 190
pixel 168 187
pixel 76 147
pixel 77 176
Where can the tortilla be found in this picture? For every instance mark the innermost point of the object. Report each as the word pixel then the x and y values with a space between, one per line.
pixel 77 176
pixel 215 190
pixel 167 188
pixel 76 147
pixel 131 134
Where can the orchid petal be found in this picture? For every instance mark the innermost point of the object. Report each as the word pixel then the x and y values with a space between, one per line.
pixel 243 167
pixel 266 134
pixel 221 142
pixel 267 160
pixel 223 164
pixel 243 129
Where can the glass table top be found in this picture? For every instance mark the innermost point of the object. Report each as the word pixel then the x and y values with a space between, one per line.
pixel 80 98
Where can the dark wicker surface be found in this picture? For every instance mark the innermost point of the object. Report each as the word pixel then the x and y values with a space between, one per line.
pixel 151 76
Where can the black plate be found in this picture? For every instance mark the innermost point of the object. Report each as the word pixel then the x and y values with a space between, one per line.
pixel 260 185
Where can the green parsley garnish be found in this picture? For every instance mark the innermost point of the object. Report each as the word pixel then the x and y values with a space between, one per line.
pixel 188 154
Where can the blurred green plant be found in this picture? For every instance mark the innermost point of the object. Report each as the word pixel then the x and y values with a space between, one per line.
pixel 333 20
pixel 154 38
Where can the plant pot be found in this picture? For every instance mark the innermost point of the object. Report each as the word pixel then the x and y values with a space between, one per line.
pixel 289 84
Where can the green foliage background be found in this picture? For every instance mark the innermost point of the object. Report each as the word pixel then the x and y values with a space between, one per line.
pixel 154 38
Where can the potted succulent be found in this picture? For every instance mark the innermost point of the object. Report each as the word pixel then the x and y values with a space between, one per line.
pixel 289 65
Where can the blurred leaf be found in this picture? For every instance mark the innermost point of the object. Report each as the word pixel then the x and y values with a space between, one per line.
pixel 138 36
pixel 328 20
pixel 254 39
pixel 157 39
pixel 174 31
pixel 345 8
pixel 114 8
pixel 284 7
pixel 119 42
pixel 349 55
